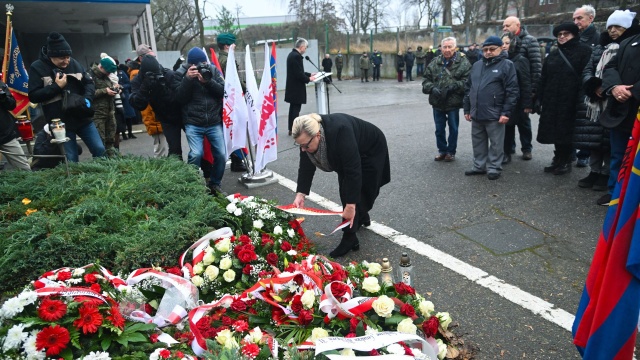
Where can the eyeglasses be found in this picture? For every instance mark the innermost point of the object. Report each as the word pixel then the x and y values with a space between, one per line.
pixel 490 49
pixel 564 34
pixel 305 146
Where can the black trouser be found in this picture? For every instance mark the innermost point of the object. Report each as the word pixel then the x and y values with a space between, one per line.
pixel 294 112
pixel 339 72
pixel 173 134
pixel 376 72
pixel 563 153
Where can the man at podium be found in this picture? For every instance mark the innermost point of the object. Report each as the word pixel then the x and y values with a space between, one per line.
pixel 295 92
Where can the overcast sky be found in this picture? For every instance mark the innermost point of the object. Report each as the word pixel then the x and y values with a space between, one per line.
pixel 250 8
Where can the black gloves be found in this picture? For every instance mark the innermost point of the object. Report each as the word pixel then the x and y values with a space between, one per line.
pixel 436 91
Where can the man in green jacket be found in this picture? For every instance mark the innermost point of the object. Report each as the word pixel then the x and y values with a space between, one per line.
pixel 364 67
pixel 421 57
pixel 444 81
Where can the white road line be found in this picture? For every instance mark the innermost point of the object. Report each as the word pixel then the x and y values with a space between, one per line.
pixel 512 293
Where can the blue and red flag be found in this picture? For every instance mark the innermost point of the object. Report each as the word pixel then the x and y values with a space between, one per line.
pixel 16 76
pixel 274 78
pixel 607 318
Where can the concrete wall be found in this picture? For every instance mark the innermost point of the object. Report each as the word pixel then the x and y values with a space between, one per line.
pixel 351 66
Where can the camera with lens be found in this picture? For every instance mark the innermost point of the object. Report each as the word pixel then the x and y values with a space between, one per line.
pixel 205 70
pixel 154 77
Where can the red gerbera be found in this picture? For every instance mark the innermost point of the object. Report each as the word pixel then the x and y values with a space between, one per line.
pixel 52 338
pixel 52 310
pixel 90 319
pixel 250 350
pixel 116 318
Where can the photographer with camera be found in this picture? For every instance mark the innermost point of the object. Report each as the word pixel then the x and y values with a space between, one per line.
pixel 199 89
pixel 103 102
pixel 8 134
pixel 151 87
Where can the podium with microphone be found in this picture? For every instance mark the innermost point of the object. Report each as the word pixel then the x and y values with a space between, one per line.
pixel 322 91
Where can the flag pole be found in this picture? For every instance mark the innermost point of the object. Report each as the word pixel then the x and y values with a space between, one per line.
pixel 7 44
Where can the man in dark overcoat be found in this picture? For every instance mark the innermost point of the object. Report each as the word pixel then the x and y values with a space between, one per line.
pixel 357 151
pixel 295 92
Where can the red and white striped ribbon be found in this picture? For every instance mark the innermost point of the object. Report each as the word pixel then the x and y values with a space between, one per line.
pixel 345 307
pixel 199 246
pixel 70 291
pixel 291 208
pixel 177 314
pixel 199 344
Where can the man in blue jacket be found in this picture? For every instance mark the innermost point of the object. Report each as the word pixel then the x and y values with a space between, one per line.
pixel 491 94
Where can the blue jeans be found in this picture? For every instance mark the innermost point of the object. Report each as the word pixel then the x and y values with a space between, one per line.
pixel 442 118
pixel 195 137
pixel 618 141
pixel 419 70
pixel 90 136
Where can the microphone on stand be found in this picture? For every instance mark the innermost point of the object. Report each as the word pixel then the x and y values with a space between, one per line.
pixel 323 73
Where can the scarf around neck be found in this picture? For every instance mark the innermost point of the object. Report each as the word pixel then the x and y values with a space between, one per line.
pixel 321 158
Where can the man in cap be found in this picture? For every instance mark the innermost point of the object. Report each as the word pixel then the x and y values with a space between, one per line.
pixel 54 72
pixel 103 103
pixel 225 40
pixel 199 88
pixel 491 94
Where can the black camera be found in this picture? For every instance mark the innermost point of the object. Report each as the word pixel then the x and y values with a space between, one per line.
pixel 154 77
pixel 205 70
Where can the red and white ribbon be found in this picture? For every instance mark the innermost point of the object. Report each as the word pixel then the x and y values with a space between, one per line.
pixel 188 291
pixel 199 344
pixel 177 314
pixel 291 208
pixel 199 246
pixel 345 307
pixel 70 291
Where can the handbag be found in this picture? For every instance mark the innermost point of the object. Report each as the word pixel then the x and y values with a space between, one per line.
pixel 74 105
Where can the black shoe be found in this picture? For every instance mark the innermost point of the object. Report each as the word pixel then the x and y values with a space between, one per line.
pixel 583 162
pixel 366 220
pixel 349 242
pixel 588 181
pixel 124 137
pixel 131 136
pixel 493 176
pixel 604 200
pixel 216 190
pixel 551 168
pixel 527 155
pixel 475 172
pixel 602 183
pixel 563 169
pixel 506 159
pixel 237 165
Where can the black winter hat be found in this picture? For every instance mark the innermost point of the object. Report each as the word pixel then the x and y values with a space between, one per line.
pixel 149 64
pixel 566 26
pixel 57 46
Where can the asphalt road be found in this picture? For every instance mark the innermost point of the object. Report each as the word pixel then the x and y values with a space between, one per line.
pixel 506 258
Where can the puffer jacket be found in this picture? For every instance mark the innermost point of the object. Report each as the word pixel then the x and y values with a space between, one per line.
pixel 44 90
pixel 201 103
pixel 103 103
pixel 492 89
pixel 166 110
pixel 450 82
pixel 530 48
pixel 149 120
pixel 8 130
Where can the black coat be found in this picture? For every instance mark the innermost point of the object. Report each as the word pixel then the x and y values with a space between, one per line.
pixel 560 92
pixel 327 64
pixel 399 63
pixel 623 69
pixel 523 71
pixel 159 96
pixel 44 90
pixel 8 130
pixel 590 36
pixel 201 103
pixel 296 90
pixel 357 151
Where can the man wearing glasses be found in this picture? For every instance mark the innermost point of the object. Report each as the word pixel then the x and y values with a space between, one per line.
pixel 357 151
pixel 491 94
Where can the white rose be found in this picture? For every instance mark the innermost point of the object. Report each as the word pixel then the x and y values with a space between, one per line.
pixel 292 252
pixel 231 208
pixel 426 308
pixel 238 212
pixel 258 224
pixel 212 272
pixel 370 284
pixel 223 245
pixel 291 233
pixel 308 298
pixel 224 336
pixel 445 319
pixel 348 352
pixel 442 349
pixel 198 268
pixel 229 275
pixel 395 349
pixel 225 263
pixel 371 331
pixel 374 269
pixel 197 280
pixel 406 326
pixel 383 306
pixel 256 335
pixel 318 333
pixel 78 272
pixel 277 230
pixel 209 258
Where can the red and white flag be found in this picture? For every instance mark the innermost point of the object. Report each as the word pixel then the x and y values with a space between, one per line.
pixel 267 150
pixel 234 111
pixel 251 97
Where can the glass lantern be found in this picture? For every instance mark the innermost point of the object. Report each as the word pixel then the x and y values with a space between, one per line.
pixel 58 129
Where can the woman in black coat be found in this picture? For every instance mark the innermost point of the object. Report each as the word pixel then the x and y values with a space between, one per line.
pixel 400 65
pixel 511 44
pixel 357 151
pixel 559 91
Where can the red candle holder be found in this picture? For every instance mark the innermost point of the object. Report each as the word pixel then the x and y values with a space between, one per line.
pixel 25 129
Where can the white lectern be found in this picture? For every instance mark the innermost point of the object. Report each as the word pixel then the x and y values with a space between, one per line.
pixel 322 93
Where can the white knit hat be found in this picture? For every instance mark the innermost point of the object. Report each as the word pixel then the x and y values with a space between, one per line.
pixel 621 18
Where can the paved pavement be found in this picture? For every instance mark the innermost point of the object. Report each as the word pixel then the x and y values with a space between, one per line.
pixel 506 258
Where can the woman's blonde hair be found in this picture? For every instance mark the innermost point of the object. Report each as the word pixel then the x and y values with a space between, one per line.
pixel 309 124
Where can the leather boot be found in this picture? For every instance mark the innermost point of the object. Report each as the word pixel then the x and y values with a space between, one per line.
pixel 554 164
pixel 237 165
pixel 349 242
pixel 563 168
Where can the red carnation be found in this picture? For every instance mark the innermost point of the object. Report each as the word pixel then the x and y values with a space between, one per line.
pixel 296 304
pixel 430 326
pixel 245 239
pixel 305 317
pixel 96 287
pixel 179 354
pixel 116 318
pixel 52 338
pixel 338 289
pixel 285 246
pixel 240 326
pixel 227 321
pixel 238 305
pixel 408 310
pixel 247 269
pixel 266 240
pixel 404 289
pixel 51 310
pixel 90 278
pixel 272 259
pixel 338 275
pixel 154 338
pixel 250 350
pixel 247 255
pixel 64 275
pixel 165 353
pixel 90 319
